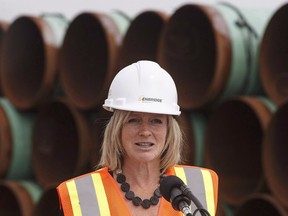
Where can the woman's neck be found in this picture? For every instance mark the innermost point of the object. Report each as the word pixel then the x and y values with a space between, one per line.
pixel 141 173
pixel 143 180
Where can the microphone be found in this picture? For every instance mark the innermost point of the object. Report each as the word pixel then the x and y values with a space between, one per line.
pixel 173 189
pixel 172 193
pixel 180 202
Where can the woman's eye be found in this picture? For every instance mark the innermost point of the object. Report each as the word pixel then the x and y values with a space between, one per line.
pixel 156 121
pixel 133 120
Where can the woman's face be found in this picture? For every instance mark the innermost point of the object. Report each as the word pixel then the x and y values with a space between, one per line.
pixel 143 136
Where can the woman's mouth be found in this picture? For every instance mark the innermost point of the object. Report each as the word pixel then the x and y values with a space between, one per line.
pixel 144 144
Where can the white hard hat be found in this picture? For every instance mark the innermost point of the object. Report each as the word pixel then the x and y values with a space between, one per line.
pixel 143 87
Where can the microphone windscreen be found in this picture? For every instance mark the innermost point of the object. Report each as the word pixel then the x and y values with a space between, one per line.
pixel 167 184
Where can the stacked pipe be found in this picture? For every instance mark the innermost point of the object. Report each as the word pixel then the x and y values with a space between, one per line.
pixel 230 70
pixel 3 29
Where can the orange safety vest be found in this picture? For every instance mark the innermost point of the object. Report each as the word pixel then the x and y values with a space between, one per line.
pixel 97 193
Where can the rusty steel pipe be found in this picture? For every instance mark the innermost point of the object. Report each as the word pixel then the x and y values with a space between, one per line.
pixel 15 142
pixel 187 34
pixel 233 144
pixel 18 198
pixel 193 125
pixel 141 41
pixel 273 57
pixel 48 203
pixel 204 49
pixel 3 28
pixel 88 58
pixel 275 150
pixel 29 62
pixel 188 153
pixel 61 142
pixel 260 204
pixel 224 210
pixel 99 121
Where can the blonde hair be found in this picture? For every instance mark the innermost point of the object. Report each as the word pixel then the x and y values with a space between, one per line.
pixel 113 152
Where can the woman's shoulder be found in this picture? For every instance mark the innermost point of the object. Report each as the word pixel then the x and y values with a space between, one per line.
pixel 191 167
pixel 100 171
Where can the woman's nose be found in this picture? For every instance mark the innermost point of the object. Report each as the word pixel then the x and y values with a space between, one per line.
pixel 145 130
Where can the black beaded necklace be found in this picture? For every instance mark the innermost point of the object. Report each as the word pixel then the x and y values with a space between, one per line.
pixel 130 195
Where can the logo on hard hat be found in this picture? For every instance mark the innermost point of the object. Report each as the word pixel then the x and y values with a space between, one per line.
pixel 147 99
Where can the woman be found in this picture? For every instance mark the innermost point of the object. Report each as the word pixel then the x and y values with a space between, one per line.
pixel 142 144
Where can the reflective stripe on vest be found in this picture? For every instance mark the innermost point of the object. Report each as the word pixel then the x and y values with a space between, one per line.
pixel 87 196
pixel 201 184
